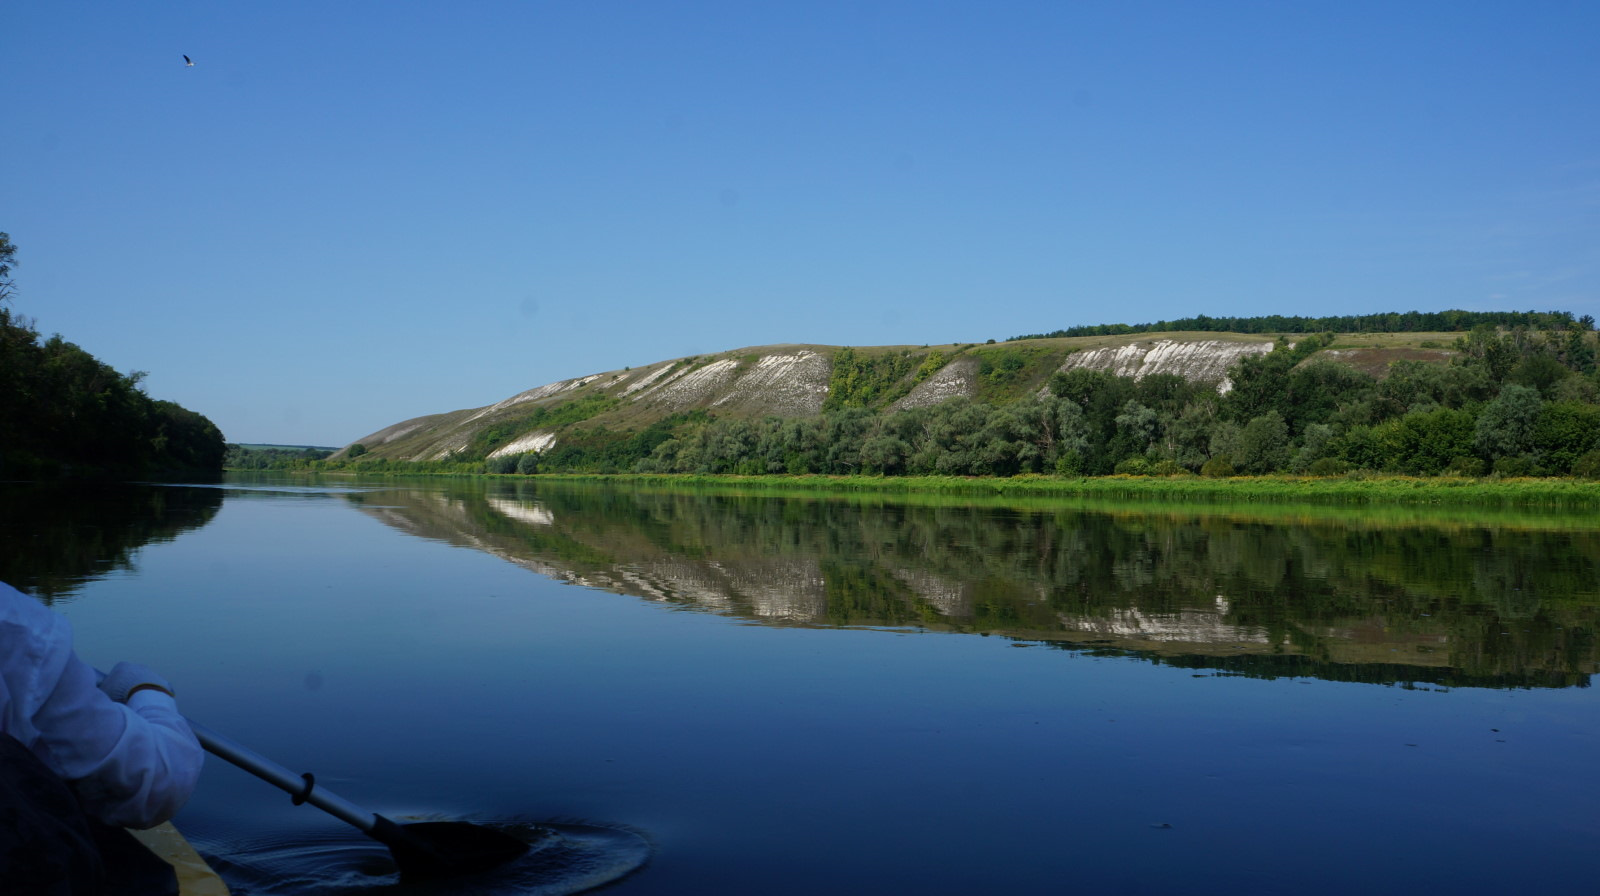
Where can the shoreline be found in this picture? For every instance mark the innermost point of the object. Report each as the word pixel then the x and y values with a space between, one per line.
pixel 1362 489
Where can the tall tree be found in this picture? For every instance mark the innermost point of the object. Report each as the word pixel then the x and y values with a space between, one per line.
pixel 8 257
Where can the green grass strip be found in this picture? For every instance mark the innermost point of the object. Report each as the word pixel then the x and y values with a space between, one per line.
pixel 1362 490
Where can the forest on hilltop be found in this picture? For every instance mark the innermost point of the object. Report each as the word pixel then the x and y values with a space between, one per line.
pixel 66 413
pixel 1454 321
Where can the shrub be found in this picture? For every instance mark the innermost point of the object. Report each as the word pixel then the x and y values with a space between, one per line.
pixel 1329 466
pixel 1587 466
pixel 1520 465
pixel 1133 466
pixel 505 463
pixel 1466 466
pixel 1221 465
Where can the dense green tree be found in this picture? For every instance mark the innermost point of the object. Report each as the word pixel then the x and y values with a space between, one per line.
pixel 1578 350
pixel 1316 444
pixel 1565 431
pixel 1361 448
pixel 1539 370
pixel 1261 383
pixel 1506 426
pixel 1262 445
pixel 1315 391
pixel 1187 440
pixel 1413 385
pixel 1484 345
pixel 1427 441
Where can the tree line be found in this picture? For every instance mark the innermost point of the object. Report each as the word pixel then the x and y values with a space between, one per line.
pixel 274 457
pixel 67 413
pixel 1389 322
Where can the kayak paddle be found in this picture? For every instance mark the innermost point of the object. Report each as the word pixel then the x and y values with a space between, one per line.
pixel 426 849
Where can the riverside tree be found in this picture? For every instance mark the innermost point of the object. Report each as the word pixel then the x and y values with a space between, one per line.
pixel 67 413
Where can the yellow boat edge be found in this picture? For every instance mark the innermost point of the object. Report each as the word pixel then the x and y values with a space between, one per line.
pixel 195 877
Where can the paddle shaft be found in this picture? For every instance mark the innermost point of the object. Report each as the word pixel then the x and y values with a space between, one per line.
pixel 421 850
pixel 296 785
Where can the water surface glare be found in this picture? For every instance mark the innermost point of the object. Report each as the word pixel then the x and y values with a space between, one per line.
pixel 792 694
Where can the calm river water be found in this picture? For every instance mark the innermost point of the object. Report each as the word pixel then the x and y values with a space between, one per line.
pixel 884 695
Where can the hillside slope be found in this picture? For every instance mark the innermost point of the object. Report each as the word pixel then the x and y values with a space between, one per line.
pixel 804 380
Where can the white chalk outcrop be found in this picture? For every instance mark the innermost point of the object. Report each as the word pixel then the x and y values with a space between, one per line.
pixel 1205 361
pixel 958 379
pixel 787 383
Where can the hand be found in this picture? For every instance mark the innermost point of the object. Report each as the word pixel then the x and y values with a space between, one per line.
pixel 127 679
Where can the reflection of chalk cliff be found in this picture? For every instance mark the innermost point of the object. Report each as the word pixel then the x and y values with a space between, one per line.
pixel 1390 604
pixel 1197 626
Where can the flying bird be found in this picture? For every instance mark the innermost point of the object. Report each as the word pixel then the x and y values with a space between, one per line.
pixel 187 61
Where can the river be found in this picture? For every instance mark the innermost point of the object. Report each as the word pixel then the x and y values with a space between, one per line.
pixel 804 693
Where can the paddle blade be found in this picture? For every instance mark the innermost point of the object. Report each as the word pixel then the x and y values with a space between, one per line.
pixel 433 849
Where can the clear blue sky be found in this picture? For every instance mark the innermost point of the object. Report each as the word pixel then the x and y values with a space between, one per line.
pixel 346 214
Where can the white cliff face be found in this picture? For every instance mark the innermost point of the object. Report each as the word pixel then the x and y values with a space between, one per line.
pixel 957 379
pixel 790 383
pixel 535 394
pixel 646 379
pixel 533 441
pixel 1204 361
pixel 690 387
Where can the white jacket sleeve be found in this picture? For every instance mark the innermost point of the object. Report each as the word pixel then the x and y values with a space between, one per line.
pixel 132 765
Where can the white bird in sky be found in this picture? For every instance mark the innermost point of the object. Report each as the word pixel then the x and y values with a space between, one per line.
pixel 187 61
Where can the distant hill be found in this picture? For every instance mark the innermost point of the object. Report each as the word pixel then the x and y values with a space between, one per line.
pixel 265 446
pixel 798 381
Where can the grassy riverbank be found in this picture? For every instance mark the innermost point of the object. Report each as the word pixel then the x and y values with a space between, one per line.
pixel 1368 490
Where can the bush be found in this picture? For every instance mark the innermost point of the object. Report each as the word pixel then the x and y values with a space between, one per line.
pixel 1221 465
pixel 1466 466
pixel 505 463
pixel 1520 465
pixel 1329 466
pixel 1587 466
pixel 528 464
pixel 1133 466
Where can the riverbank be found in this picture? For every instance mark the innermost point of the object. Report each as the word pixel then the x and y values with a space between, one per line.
pixel 1358 489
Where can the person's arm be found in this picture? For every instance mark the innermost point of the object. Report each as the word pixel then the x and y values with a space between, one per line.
pixel 132 764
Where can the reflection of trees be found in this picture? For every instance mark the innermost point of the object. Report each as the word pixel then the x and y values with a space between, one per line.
pixel 1385 603
pixel 55 537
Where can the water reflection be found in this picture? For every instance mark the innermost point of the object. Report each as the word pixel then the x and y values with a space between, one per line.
pixel 1351 599
pixel 54 537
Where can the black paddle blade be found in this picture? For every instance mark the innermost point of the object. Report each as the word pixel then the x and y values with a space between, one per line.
pixel 433 849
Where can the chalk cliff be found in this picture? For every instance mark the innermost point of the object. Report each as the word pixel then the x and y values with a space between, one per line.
pixel 794 381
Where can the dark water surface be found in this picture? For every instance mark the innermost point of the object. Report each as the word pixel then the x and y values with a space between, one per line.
pixel 805 694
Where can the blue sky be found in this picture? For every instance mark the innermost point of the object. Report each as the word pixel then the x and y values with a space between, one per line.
pixel 348 214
